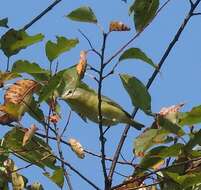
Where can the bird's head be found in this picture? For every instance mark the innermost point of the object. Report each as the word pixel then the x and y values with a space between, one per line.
pixel 72 93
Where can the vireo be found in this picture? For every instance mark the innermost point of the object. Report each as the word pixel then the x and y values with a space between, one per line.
pixel 84 101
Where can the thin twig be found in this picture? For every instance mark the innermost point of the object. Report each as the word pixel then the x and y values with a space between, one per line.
pixel 58 137
pixel 110 159
pixel 41 14
pixel 7 64
pixel 150 81
pixel 89 42
pixel 67 123
pixel 102 138
pixel 78 173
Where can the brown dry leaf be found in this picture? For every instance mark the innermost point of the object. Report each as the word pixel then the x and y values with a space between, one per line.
pixel 54 118
pixel 77 148
pixel 19 90
pixel 16 99
pixel 171 112
pixel 81 66
pixel 118 26
pixel 29 134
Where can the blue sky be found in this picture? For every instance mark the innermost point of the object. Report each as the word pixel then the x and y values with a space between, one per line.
pixel 177 82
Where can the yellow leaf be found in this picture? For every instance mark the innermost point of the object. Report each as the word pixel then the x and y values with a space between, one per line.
pixel 77 148
pixel 81 66
pixel 29 134
pixel 118 26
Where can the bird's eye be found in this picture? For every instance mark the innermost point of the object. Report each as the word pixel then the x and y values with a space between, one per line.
pixel 69 92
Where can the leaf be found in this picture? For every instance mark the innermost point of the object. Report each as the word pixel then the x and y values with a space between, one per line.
pixel 29 134
pixel 57 177
pixel 144 12
pixel 83 14
pixel 53 50
pixel 77 148
pixel 36 151
pixel 17 99
pixel 171 113
pixel 136 53
pixel 118 26
pixel 169 126
pixel 81 66
pixel 53 84
pixel 4 23
pixel 137 91
pixel 23 66
pixel 13 41
pixel 187 180
pixel 195 140
pixel 35 186
pixel 149 138
pixel 157 155
pixel 18 181
pixel 5 76
pixel 192 117
pixel 35 111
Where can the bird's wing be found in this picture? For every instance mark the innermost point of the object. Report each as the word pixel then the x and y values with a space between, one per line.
pixel 111 102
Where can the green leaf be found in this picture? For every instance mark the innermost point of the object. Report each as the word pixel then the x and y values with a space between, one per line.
pixel 4 23
pixel 136 53
pixel 195 140
pixel 5 76
pixel 36 112
pixel 171 127
pixel 53 50
pixel 137 91
pixel 192 117
pixel 57 177
pixel 53 84
pixel 144 12
pixel 148 139
pixel 36 151
pixel 83 14
pixel 187 180
pixel 35 186
pixel 13 41
pixel 23 66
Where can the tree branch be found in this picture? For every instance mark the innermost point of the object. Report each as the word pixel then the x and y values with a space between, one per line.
pixel 102 138
pixel 41 14
pixel 150 81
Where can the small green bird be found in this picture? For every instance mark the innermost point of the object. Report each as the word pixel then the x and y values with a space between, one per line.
pixel 84 101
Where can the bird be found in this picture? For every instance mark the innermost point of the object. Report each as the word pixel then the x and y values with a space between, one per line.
pixel 84 101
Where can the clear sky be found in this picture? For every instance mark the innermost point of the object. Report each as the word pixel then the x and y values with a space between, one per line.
pixel 177 82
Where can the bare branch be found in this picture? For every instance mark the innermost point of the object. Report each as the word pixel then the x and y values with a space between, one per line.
pixel 89 42
pixel 78 173
pixel 196 14
pixel 101 132
pixel 41 14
